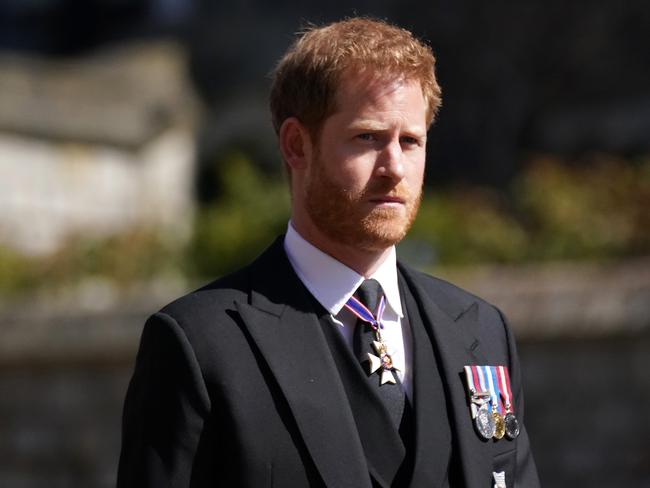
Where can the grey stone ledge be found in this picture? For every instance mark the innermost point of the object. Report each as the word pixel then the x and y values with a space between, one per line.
pixel 97 323
pixel 566 300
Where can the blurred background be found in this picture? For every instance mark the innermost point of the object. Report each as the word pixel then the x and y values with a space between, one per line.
pixel 137 161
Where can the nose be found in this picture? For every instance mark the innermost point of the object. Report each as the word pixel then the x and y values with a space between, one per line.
pixel 390 164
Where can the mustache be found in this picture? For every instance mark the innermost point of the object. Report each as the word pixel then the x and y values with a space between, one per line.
pixel 389 189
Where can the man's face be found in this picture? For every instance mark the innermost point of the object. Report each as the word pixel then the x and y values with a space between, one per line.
pixel 364 183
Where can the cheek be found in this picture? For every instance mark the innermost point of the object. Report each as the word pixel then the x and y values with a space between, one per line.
pixel 414 170
pixel 350 171
pixel 358 176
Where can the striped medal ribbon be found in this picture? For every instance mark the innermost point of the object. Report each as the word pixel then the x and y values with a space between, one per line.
pixel 511 422
pixel 500 426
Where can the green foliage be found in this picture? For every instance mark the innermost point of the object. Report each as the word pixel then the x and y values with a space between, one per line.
pixel 17 272
pixel 596 210
pixel 556 211
pixel 252 209
pixel 123 259
pixel 467 226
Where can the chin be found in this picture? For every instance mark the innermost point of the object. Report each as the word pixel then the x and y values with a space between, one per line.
pixel 377 236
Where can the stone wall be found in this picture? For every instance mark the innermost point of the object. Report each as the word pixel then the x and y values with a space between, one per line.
pixel 95 145
pixel 70 189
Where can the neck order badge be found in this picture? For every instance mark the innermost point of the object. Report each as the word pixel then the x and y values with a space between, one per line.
pixel 382 361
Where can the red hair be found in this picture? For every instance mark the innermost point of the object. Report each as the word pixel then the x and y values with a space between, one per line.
pixel 306 78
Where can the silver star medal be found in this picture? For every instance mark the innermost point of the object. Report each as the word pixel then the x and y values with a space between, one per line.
pixel 382 361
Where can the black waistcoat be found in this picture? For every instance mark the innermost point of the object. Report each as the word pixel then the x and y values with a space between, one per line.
pixel 419 453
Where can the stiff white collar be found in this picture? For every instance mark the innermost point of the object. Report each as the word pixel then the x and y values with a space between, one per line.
pixel 331 282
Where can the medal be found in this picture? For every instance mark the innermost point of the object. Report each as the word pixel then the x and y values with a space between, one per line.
pixel 510 421
pixel 381 362
pixel 479 403
pixel 490 402
pixel 487 383
pixel 476 397
pixel 511 425
pixel 497 409
pixel 384 361
pixel 499 425
pixel 484 422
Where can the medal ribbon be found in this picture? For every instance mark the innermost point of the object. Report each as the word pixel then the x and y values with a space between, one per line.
pixel 470 379
pixel 361 311
pixel 506 392
pixel 497 392
pixel 472 390
pixel 487 371
pixel 481 378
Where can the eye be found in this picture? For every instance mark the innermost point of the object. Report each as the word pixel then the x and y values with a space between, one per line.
pixel 410 141
pixel 367 136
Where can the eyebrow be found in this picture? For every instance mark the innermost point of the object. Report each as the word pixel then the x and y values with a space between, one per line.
pixel 367 124
pixel 372 125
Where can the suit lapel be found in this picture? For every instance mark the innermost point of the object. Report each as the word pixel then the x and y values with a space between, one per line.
pixel 455 349
pixel 282 322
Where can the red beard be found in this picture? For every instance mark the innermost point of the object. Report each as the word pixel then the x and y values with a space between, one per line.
pixel 349 218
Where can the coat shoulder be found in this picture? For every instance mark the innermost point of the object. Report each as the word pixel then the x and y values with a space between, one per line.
pixel 450 297
pixel 211 302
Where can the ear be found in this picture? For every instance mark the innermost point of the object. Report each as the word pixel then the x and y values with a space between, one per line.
pixel 295 143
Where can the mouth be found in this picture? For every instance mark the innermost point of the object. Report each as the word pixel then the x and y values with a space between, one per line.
pixel 388 200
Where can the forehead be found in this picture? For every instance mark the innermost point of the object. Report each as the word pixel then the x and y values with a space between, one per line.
pixel 359 92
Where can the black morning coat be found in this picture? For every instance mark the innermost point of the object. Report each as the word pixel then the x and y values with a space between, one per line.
pixel 235 385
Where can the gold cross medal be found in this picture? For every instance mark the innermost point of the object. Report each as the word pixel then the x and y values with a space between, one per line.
pixel 382 361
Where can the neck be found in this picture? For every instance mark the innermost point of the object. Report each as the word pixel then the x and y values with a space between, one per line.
pixel 365 262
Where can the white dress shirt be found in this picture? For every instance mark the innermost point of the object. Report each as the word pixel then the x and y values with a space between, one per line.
pixel 332 283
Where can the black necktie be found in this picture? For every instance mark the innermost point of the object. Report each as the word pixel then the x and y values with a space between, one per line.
pixel 370 293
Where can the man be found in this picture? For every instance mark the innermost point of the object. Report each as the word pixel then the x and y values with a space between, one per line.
pixel 326 362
